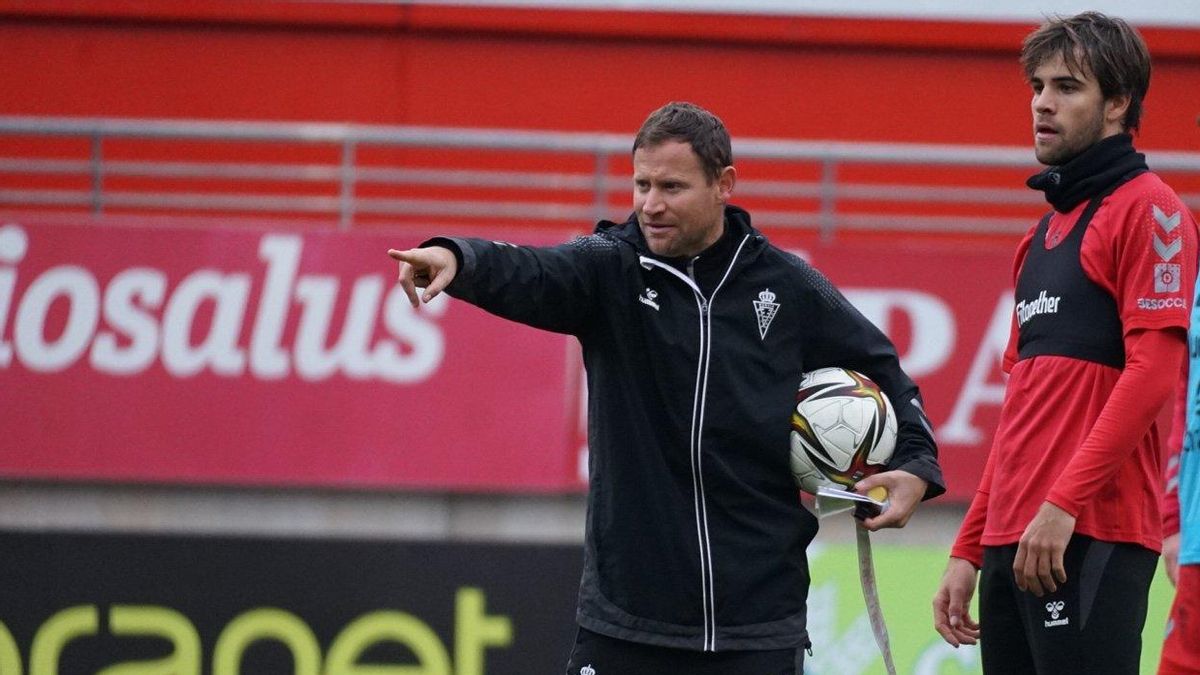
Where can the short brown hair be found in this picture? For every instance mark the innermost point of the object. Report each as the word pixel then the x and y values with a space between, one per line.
pixel 687 122
pixel 1107 47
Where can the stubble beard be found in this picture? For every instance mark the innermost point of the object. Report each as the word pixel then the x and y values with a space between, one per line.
pixel 1074 145
pixel 683 243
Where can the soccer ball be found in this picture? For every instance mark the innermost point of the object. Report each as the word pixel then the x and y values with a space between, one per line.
pixel 843 429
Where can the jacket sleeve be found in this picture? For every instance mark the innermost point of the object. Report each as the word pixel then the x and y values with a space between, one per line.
pixel 552 288
pixel 842 336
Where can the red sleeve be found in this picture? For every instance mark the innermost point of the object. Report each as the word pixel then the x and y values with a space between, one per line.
pixel 1170 510
pixel 1139 394
pixel 968 544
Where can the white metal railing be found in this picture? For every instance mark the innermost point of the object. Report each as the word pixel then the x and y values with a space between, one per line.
pixel 336 184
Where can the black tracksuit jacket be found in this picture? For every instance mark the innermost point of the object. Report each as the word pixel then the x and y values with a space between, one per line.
pixel 695 532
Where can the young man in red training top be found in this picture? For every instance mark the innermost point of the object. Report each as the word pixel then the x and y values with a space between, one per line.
pixel 1064 531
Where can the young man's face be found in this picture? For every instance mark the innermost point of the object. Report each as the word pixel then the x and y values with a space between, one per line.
pixel 1070 114
pixel 680 211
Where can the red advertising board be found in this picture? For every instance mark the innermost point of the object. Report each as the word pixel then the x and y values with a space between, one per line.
pixel 287 356
pixel 250 356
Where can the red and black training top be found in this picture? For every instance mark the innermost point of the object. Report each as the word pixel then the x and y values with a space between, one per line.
pixel 1103 295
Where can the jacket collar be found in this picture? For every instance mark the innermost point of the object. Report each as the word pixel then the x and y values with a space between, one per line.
pixel 711 265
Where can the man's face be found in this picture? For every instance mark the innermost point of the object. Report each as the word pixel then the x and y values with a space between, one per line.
pixel 680 211
pixel 1070 114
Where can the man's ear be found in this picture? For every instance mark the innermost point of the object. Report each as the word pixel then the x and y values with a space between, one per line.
pixel 725 183
pixel 1115 109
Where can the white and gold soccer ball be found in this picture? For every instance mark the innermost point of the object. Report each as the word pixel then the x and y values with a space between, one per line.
pixel 843 429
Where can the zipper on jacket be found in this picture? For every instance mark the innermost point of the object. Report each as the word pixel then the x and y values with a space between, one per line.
pixel 696 439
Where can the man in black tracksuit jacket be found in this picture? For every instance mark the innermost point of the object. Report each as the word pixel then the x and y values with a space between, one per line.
pixel 695 539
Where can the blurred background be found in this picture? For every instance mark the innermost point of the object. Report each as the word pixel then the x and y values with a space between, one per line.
pixel 227 443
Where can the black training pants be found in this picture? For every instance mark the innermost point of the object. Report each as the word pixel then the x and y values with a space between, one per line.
pixel 1092 624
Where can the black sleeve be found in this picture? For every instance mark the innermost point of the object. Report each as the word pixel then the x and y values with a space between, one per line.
pixel 553 288
pixel 841 336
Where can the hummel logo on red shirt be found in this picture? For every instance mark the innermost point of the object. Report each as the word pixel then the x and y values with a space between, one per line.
pixel 1168 223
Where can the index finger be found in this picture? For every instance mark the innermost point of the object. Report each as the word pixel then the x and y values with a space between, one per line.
pixel 942 625
pixel 408 256
pixel 941 617
pixel 1018 566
